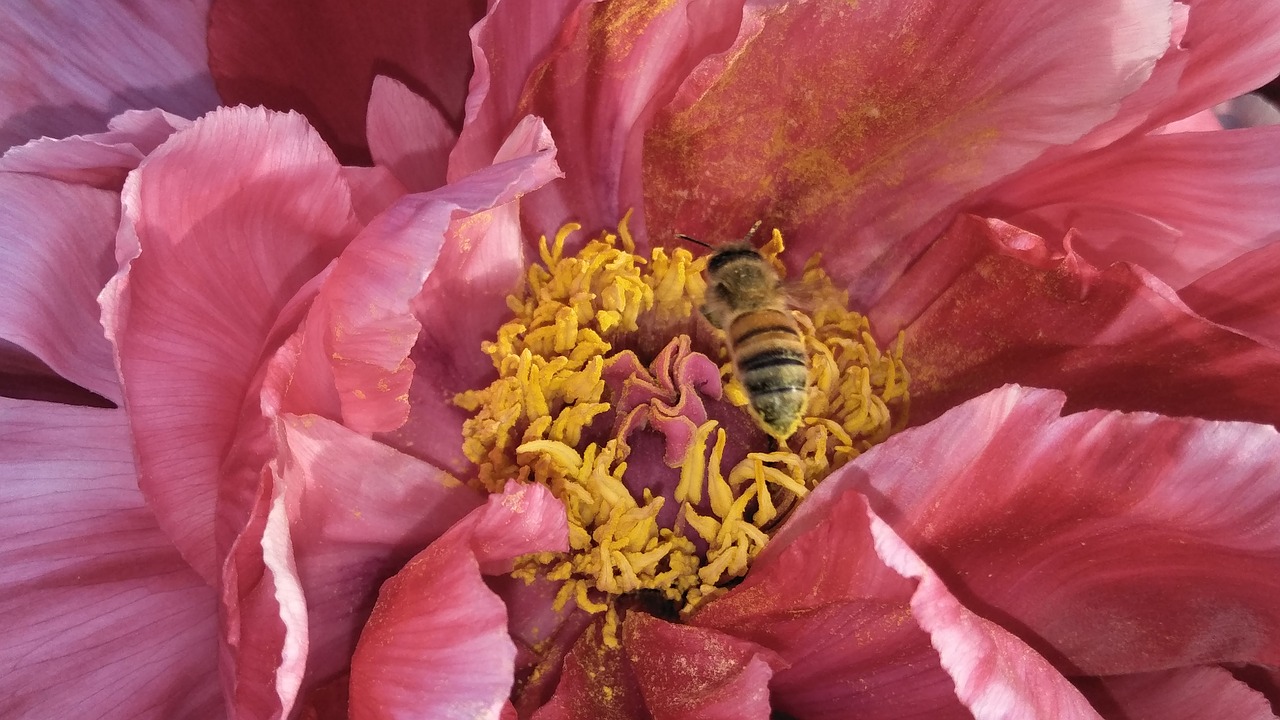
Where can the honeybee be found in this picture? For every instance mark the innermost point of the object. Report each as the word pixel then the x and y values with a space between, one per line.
pixel 745 301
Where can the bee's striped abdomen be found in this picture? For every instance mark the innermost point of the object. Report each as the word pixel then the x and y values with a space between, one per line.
pixel 771 363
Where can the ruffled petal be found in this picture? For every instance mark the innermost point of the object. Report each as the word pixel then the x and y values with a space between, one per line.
pixel 633 59
pixel 437 644
pixel 362 323
pixel 55 257
pixel 1112 543
pixel 359 510
pixel 102 616
pixel 69 66
pixel 1243 294
pixel 321 58
pixel 409 135
pixel 1177 204
pixel 991 304
pixel 223 224
pixel 1192 693
pixel 851 125
pixel 101 159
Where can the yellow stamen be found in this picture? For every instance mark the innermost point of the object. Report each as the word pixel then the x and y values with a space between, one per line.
pixel 542 421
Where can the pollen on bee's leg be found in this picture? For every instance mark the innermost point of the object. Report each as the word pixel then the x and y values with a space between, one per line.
pixel 567 401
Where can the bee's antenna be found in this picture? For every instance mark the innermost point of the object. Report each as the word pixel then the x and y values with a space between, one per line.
pixel 752 232
pixel 695 242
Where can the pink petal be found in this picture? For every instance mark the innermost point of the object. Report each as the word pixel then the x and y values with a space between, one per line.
pixel 56 257
pixel 1178 204
pixel 849 126
pixel 508 43
pixel 24 376
pixel 365 304
pixel 101 159
pixel 1231 48
pixel 359 511
pixel 437 644
pixel 1184 694
pixel 409 135
pixel 223 224
pixel 635 61
pixel 686 672
pixel 1112 543
pixel 1243 294
pixel 321 58
pixel 992 304
pixel 596 683
pixel 70 66
pixel 1203 121
pixel 102 616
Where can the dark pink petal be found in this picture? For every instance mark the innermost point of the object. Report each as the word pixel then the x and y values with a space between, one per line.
pixel 1112 543
pixel 321 58
pixel 850 125
pixel 596 683
pixel 359 510
pixel 223 224
pixel 409 135
pixel 687 672
pixel 1193 693
pixel 632 60
pixel 56 254
pixel 1243 294
pixel 1177 204
pixel 437 644
pixel 868 630
pixel 991 304
pixel 68 66
pixel 362 322
pixel 100 159
pixel 101 615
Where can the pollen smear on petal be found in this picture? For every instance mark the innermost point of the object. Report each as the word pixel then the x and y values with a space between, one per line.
pixel 560 416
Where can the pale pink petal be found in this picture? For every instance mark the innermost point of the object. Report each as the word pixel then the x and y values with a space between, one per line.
pixel 508 43
pixel 1243 294
pixel 264 628
pixel 409 135
pixel 1203 121
pixel 686 672
pixel 55 256
pixel 1177 204
pixel 992 304
pixel 366 302
pixel 320 58
pixel 373 190
pixel 1112 543
pixel 1194 693
pixel 437 644
pixel 632 60
pixel 358 510
pixel 102 616
pixel 849 126
pixel 69 66
pixel 223 224
pixel 100 159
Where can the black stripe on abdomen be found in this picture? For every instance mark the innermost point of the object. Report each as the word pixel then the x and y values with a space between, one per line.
pixel 753 332
pixel 724 257
pixel 772 358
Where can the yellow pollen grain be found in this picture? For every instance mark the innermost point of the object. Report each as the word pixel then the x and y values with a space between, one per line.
pixel 532 423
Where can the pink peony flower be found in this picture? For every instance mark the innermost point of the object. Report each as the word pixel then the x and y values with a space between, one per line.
pixel 263 466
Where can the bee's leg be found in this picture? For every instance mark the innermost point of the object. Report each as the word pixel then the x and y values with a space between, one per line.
pixel 710 316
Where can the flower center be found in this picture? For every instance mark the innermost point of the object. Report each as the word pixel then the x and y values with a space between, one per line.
pixel 607 395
